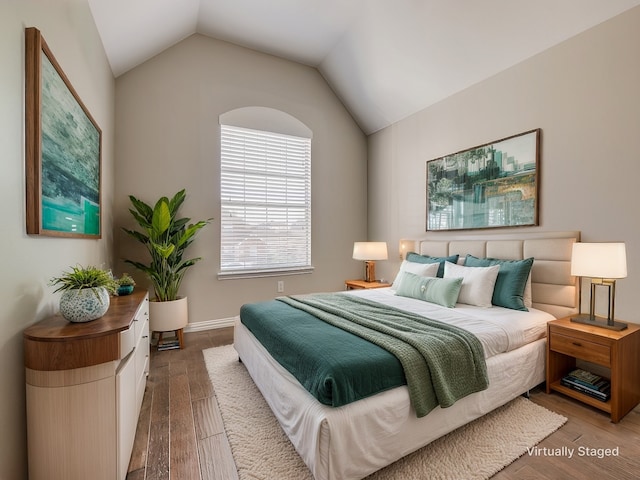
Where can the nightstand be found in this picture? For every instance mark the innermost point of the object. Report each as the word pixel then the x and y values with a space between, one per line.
pixel 360 284
pixel 619 352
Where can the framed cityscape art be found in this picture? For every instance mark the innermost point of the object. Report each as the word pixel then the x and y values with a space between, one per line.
pixel 489 186
pixel 63 150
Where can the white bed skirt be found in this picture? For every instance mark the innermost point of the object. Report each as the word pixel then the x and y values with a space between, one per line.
pixel 353 441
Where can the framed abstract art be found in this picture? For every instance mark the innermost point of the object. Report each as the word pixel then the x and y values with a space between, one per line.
pixel 63 150
pixel 489 186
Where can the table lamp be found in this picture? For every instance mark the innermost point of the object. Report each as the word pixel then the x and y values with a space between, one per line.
pixel 370 252
pixel 603 263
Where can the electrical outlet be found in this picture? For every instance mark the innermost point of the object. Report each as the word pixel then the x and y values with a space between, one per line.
pixel 280 286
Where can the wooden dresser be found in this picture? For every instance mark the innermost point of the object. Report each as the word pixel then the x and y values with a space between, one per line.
pixel 85 385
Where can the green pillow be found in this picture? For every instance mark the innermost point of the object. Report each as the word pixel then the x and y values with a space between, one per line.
pixel 443 291
pixel 417 258
pixel 512 279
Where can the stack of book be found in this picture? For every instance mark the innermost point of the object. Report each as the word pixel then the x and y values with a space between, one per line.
pixel 588 383
pixel 168 342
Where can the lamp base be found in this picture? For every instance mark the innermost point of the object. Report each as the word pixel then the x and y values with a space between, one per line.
pixel 599 322
pixel 369 271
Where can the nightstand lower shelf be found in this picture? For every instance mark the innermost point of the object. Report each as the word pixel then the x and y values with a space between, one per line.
pixel 594 402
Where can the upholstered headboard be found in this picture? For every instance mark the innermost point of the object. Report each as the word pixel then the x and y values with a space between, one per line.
pixel 553 288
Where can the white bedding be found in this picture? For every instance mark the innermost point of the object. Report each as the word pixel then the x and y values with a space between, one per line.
pixel 498 329
pixel 350 442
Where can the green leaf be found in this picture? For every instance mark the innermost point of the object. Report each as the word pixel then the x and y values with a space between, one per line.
pixel 143 209
pixel 164 250
pixel 177 201
pixel 161 218
pixel 141 237
pixel 143 221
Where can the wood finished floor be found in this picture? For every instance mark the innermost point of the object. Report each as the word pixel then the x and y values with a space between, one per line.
pixel 180 434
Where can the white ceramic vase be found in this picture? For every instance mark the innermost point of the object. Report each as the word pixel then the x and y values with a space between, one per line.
pixel 84 304
pixel 168 316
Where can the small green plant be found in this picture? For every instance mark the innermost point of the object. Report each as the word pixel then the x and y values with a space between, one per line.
pixel 80 277
pixel 125 280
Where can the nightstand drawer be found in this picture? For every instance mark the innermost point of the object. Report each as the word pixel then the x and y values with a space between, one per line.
pixel 579 348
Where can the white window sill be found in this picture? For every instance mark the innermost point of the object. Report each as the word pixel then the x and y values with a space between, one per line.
pixel 235 275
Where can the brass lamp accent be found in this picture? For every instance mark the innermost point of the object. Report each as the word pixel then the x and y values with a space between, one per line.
pixel 603 263
pixel 369 252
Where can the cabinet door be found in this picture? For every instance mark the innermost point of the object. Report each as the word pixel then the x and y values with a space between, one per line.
pixel 127 412
pixel 74 423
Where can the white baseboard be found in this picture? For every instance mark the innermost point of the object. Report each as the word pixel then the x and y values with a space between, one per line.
pixel 210 324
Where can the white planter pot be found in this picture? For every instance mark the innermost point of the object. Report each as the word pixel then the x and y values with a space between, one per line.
pixel 168 316
pixel 84 305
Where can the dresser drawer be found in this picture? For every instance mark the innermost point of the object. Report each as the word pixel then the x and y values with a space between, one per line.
pixel 579 348
pixel 141 319
pixel 127 342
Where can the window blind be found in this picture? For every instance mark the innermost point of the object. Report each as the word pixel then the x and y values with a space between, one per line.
pixel 265 192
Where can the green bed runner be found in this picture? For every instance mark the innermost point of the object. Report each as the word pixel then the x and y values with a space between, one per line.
pixel 441 363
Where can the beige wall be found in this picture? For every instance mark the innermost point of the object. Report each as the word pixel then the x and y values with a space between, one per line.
pixel 28 262
pixel 167 138
pixel 584 96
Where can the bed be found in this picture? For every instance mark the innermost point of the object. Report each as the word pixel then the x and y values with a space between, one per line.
pixel 357 438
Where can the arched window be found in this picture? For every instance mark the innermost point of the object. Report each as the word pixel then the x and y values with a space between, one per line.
pixel 265 193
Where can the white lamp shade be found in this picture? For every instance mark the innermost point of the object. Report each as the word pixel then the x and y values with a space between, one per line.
pixel 599 260
pixel 370 251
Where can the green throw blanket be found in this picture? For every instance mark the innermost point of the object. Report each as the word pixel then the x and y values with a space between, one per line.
pixel 442 363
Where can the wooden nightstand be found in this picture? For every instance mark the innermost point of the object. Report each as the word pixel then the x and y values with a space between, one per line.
pixel 360 284
pixel 617 351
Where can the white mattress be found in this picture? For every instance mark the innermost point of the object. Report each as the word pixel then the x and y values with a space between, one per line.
pixel 350 442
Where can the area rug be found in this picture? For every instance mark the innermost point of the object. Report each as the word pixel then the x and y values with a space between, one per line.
pixel 478 450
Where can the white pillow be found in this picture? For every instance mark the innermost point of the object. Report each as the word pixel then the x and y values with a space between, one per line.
pixel 477 283
pixel 421 269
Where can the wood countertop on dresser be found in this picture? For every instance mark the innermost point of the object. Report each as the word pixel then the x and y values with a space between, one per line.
pixel 54 343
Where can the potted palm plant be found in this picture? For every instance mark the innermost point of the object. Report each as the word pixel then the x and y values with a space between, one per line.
pixel 85 292
pixel 166 238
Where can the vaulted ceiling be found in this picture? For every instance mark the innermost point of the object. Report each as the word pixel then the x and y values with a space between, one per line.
pixel 385 59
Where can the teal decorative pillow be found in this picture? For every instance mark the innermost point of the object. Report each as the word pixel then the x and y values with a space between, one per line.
pixel 511 282
pixel 442 291
pixel 417 258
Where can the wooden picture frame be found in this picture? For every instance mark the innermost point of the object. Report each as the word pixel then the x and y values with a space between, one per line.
pixel 489 186
pixel 63 151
